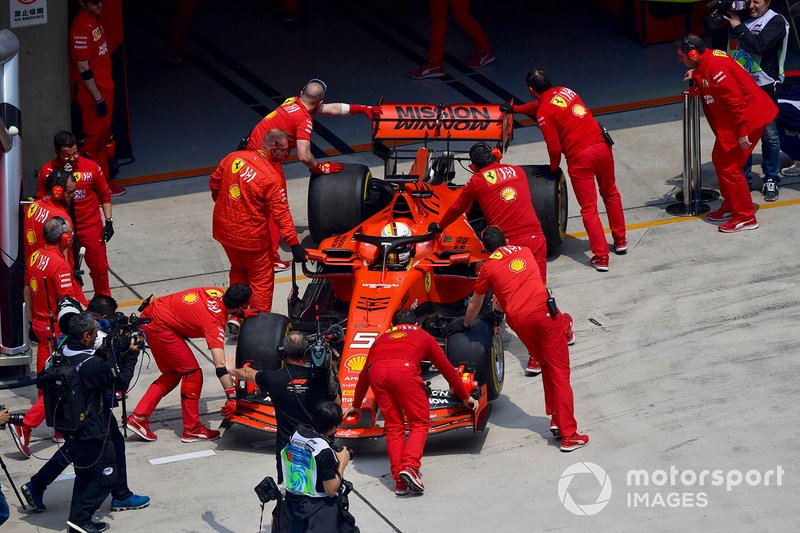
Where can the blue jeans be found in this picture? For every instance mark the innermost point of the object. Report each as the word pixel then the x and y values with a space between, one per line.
pixel 4 513
pixel 770 154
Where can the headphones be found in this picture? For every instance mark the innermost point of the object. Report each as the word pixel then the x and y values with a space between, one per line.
pixel 56 182
pixel 690 50
pixel 481 151
pixel 316 80
pixel 65 239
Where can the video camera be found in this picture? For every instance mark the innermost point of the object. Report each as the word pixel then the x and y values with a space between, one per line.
pixel 720 8
pixel 123 331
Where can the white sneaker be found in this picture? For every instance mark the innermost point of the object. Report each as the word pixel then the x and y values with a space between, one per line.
pixel 792 170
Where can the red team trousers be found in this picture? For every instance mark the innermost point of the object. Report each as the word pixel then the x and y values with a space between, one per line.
pixel 733 187
pixel 597 160
pixel 90 236
pixel 397 386
pixel 35 414
pixel 546 337
pixel 256 270
pixel 462 16
pixel 96 130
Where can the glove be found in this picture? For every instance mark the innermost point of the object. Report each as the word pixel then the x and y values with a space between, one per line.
pixel 229 408
pixel 250 313
pixel 507 108
pixel 455 326
pixel 327 168
pixel 433 227
pixel 101 107
pixel 108 230
pixel 78 274
pixel 369 111
pixel 298 253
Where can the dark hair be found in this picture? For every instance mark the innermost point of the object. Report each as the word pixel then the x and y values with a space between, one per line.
pixel 63 139
pixel 481 155
pixel 58 178
pixel 691 41
pixel 295 344
pixel 236 296
pixel 102 305
pixel 81 324
pixel 538 80
pixel 493 238
pixel 53 229
pixel 325 417
pixel 404 316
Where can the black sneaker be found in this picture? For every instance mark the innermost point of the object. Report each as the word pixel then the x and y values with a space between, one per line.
pixel 91 527
pixel 770 191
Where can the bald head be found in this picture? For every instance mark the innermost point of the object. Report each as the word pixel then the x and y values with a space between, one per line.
pixel 312 94
pixel 276 143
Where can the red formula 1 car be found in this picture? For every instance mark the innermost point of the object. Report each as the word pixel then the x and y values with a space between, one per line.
pixel 376 256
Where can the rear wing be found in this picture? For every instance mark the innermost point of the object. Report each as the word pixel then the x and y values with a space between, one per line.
pixel 471 122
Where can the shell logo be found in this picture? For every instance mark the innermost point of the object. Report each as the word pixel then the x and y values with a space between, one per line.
pixel 34 285
pixel 32 210
pixel 356 363
pixel 398 335
pixel 34 257
pixel 490 176
pixel 190 298
pixel 30 236
pixel 237 165
pixel 559 101
pixel 234 192
pixel 509 194
pixel 517 265
pixel 579 111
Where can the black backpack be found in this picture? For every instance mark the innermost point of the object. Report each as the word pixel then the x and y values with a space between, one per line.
pixel 61 388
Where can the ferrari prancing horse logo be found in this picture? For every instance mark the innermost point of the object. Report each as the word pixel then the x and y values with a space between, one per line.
pixel 237 165
pixel 490 176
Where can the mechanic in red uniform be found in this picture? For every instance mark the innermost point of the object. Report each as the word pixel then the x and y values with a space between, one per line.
pixel 91 196
pixel 199 312
pixel 90 76
pixel 59 190
pixel 522 293
pixel 48 278
pixel 737 110
pixel 568 127
pixel 294 117
pixel 393 371
pixel 503 193
pixel 248 192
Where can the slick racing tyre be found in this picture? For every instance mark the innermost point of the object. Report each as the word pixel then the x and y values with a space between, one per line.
pixel 549 195
pixel 337 202
pixel 479 348
pixel 259 338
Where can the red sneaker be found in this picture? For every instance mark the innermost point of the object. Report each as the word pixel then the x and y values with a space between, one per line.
pixel 532 368
pixel 600 263
pixel 58 438
pixel 22 437
pixel 427 71
pixel 570 333
pixel 280 266
pixel 116 191
pixel 400 488
pixel 480 59
pixel 734 225
pixel 141 426
pixel 719 215
pixel 200 434
pixel 411 477
pixel 621 246
pixel 554 427
pixel 573 442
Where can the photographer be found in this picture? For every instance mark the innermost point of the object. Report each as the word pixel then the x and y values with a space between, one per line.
pixel 90 446
pixel 122 498
pixel 295 389
pixel 314 475
pixel 758 43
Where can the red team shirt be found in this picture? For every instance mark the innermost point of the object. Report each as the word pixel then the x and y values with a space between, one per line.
pixel 414 345
pixel 512 274
pixel 36 215
pixel 91 189
pixel 505 200
pixel 193 313
pixel 292 117
pixel 88 43
pixel 48 263
pixel 566 123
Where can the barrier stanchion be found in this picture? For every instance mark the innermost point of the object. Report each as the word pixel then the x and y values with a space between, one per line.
pixel 690 199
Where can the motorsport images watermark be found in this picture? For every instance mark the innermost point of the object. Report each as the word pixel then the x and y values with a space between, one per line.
pixel 663 488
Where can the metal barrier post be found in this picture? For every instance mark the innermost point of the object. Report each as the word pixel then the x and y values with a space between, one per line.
pixel 14 349
pixel 690 198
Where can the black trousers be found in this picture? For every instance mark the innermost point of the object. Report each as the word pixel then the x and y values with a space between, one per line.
pixel 301 514
pixel 95 476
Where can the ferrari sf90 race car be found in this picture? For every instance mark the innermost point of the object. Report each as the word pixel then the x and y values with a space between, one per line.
pixel 375 256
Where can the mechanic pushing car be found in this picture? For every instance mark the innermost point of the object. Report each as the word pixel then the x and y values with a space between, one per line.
pixel 248 193
pixel 532 313
pixel 294 117
pixel 504 197
pixel 393 371
pixel 193 313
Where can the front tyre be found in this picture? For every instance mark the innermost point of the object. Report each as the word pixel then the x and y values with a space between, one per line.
pixel 549 195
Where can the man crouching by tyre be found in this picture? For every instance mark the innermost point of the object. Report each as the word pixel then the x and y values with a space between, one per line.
pixel 91 448
pixel 313 474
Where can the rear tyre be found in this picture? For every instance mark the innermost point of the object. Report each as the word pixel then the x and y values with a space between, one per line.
pixel 336 202
pixel 549 195
pixel 259 338
pixel 479 348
